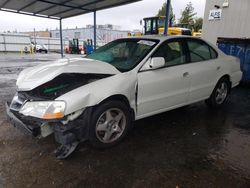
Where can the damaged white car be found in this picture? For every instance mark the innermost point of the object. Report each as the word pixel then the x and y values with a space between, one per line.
pixel 97 98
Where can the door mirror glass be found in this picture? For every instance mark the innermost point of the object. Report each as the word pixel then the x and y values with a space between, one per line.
pixel 157 62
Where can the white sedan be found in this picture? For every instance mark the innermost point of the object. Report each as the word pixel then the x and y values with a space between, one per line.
pixel 97 98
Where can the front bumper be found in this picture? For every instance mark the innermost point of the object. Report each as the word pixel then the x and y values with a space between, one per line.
pixel 76 130
pixel 17 122
pixel 69 136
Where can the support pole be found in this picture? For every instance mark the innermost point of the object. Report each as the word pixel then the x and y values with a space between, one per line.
pixel 61 38
pixel 94 30
pixel 168 5
pixel 35 36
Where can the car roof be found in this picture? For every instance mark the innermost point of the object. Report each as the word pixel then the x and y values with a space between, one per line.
pixel 162 37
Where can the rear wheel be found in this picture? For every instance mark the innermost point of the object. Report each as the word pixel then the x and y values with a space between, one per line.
pixel 220 93
pixel 110 124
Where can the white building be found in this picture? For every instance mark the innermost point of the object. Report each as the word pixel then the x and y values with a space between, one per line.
pixel 226 18
pixel 104 34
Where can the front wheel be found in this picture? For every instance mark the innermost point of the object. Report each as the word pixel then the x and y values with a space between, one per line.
pixel 110 124
pixel 220 93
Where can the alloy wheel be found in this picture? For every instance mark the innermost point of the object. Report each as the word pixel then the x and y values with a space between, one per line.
pixel 110 125
pixel 221 93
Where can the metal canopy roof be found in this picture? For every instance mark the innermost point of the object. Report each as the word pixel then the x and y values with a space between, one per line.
pixel 59 9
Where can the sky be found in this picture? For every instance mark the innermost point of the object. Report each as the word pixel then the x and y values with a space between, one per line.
pixel 128 16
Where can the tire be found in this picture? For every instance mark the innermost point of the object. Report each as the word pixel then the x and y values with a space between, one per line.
pixel 109 124
pixel 220 93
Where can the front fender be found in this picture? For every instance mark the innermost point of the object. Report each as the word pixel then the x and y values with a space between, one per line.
pixel 95 92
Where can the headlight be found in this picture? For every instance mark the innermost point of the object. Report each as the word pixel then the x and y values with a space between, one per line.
pixel 44 109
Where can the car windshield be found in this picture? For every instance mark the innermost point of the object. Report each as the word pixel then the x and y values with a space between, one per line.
pixel 124 54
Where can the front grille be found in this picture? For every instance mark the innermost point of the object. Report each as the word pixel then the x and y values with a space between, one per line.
pixel 17 102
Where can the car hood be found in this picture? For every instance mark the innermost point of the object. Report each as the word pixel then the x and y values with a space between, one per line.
pixel 33 77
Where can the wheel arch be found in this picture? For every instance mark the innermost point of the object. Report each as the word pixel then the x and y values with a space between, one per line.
pixel 124 99
pixel 227 76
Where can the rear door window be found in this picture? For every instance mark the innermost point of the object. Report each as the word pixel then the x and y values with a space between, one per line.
pixel 200 51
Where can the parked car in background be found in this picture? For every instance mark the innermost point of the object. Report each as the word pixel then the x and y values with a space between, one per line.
pixel 41 48
pixel 97 98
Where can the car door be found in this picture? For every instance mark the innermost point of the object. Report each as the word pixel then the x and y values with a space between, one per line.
pixel 204 69
pixel 167 87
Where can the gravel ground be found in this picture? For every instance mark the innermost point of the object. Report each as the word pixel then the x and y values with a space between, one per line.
pixel 187 147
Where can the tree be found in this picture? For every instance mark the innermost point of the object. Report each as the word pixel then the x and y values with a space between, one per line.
pixel 162 12
pixel 198 24
pixel 187 15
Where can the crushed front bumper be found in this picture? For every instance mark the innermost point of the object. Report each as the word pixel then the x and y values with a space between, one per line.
pixel 69 136
pixel 76 130
pixel 17 122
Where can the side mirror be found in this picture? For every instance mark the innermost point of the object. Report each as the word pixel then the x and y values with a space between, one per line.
pixel 157 62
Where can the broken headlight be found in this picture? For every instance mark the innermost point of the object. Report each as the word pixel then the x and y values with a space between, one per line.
pixel 44 109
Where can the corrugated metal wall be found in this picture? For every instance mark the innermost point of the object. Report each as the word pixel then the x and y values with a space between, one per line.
pixel 235 20
pixel 2 43
pixel 13 42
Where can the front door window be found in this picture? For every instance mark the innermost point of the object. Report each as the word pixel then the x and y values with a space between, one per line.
pixel 172 53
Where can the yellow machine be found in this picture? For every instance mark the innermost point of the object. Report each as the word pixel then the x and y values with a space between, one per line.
pixel 197 34
pixel 156 26
pixel 135 33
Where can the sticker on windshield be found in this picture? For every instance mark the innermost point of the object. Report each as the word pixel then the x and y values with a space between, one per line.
pixel 146 42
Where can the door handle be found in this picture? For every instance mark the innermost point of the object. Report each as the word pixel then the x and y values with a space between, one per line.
pixel 185 74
